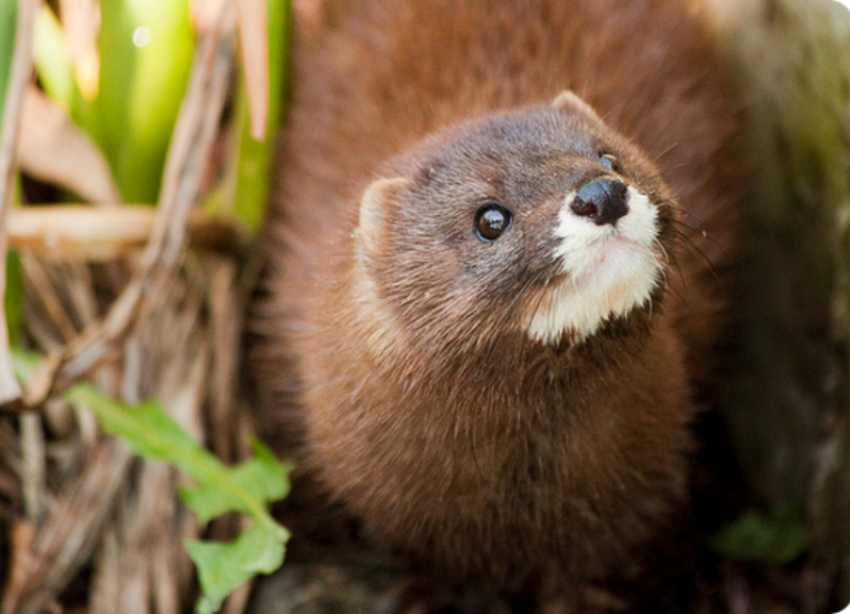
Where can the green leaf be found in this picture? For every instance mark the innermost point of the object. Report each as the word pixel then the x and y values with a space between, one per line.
pixel 253 158
pixel 263 477
pixel 146 51
pixel 8 22
pixel 51 59
pixel 246 488
pixel 153 434
pixel 146 54
pixel 14 298
pixel 223 567
pixel 774 539
pixel 154 39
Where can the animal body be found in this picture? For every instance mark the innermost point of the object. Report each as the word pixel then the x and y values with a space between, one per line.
pixel 496 275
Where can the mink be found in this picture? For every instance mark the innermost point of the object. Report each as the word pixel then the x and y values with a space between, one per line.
pixel 498 276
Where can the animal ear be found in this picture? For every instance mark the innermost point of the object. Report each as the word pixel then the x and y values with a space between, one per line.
pixel 568 101
pixel 376 205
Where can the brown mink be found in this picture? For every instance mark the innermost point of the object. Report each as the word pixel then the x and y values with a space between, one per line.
pixel 497 275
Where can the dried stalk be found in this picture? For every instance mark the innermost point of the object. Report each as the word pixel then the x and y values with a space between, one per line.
pixel 44 564
pixel 44 292
pixel 106 232
pixel 10 390
pixel 253 29
pixel 190 149
pixel 146 534
pixel 150 526
pixel 79 232
pixel 225 331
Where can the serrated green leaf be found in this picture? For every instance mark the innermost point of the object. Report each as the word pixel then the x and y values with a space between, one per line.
pixel 223 567
pixel 774 539
pixel 264 477
pixel 146 427
pixel 154 434
pixel 246 488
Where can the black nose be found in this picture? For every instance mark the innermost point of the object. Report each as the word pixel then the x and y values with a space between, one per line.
pixel 602 200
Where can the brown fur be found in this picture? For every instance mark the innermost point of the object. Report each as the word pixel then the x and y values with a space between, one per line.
pixel 456 439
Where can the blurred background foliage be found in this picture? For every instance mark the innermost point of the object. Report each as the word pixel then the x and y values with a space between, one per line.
pixel 98 126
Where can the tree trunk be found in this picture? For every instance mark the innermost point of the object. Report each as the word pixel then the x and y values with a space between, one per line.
pixel 788 403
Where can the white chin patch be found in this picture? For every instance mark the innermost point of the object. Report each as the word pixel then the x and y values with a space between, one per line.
pixel 610 270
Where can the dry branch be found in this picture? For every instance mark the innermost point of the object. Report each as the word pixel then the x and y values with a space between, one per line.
pixel 100 234
pixel 78 232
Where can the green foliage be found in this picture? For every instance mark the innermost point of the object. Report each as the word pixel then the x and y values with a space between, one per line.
pixel 223 567
pixel 14 297
pixel 146 53
pixel 52 62
pixel 254 158
pixel 8 21
pixel 774 539
pixel 145 57
pixel 246 488
pixel 264 479
pixel 245 189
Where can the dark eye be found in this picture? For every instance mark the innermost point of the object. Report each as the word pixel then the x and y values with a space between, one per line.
pixel 609 161
pixel 491 221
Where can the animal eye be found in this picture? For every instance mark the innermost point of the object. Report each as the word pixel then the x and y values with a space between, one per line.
pixel 491 220
pixel 609 161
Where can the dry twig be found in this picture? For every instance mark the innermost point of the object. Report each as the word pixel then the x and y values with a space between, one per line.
pixel 44 562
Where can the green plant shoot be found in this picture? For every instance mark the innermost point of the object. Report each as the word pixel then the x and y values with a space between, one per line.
pixel 8 22
pixel 145 57
pixel 244 192
pixel 773 539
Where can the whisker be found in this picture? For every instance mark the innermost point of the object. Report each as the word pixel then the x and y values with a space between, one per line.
pixel 663 250
pixel 682 299
pixel 689 244
pixel 665 152
pixel 686 214
pixel 473 450
pixel 547 282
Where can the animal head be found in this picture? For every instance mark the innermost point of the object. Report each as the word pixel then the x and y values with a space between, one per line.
pixel 543 220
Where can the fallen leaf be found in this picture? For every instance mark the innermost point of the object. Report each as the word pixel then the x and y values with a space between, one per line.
pixel 53 149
